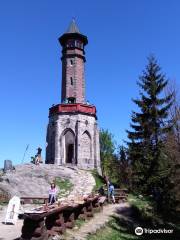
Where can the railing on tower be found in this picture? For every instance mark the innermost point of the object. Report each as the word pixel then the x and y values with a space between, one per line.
pixel 75 107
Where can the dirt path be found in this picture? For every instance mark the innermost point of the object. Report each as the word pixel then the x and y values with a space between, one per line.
pixel 97 222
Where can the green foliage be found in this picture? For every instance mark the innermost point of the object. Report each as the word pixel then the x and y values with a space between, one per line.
pixel 107 144
pixel 144 204
pixel 140 212
pixel 33 160
pixel 107 147
pixel 124 167
pixel 115 166
pixel 79 222
pixel 149 126
pixel 98 179
pixel 145 212
pixel 109 161
pixel 112 231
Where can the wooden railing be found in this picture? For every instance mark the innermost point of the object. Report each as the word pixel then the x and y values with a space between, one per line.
pixel 31 200
pixel 75 107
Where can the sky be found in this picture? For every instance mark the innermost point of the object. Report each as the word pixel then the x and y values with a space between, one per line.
pixel 121 34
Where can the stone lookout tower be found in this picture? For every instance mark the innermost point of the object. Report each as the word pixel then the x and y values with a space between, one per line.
pixel 72 133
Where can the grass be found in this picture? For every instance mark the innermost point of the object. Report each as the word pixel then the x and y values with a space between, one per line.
pixel 64 185
pixel 140 213
pixel 112 231
pixel 143 204
pixel 98 179
pixel 79 222
pixel 146 215
pixel 140 201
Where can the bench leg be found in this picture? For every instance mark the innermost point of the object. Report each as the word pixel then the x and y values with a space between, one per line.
pixel 55 224
pixel 83 214
pixel 34 230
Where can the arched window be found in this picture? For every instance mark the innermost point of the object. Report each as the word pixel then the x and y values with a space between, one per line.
pixel 86 147
pixel 71 62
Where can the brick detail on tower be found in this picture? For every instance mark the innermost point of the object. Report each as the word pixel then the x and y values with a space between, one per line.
pixel 73 80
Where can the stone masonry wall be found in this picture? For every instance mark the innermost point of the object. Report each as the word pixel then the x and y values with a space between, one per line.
pixel 86 134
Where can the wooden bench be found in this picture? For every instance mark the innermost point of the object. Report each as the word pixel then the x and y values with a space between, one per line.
pixel 4 198
pixel 120 195
pixel 30 200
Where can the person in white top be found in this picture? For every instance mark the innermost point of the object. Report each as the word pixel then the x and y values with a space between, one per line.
pixel 52 193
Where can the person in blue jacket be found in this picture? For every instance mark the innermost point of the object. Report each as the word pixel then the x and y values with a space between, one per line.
pixel 111 192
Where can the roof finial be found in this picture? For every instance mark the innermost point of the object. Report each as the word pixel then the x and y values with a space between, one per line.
pixel 73 28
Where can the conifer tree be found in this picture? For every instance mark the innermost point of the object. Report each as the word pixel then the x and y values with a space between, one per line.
pixel 148 128
pixel 124 170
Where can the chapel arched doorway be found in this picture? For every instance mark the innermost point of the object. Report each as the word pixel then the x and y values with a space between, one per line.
pixel 69 140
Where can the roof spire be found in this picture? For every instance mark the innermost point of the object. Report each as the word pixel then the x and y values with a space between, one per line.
pixel 73 28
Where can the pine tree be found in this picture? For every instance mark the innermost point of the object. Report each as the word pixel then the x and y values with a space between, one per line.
pixel 124 169
pixel 146 145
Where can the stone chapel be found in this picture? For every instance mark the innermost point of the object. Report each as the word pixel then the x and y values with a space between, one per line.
pixel 72 132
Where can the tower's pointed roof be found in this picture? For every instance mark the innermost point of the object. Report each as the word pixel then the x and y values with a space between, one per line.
pixel 73 28
pixel 73 33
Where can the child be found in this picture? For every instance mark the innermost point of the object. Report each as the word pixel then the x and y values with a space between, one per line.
pixel 101 191
pixel 52 193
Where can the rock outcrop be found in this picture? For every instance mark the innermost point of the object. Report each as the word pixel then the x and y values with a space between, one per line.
pixel 32 180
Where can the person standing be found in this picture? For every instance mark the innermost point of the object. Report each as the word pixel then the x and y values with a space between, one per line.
pixel 38 156
pixel 52 193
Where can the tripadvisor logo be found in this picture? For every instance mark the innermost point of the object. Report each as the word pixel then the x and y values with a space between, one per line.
pixel 139 231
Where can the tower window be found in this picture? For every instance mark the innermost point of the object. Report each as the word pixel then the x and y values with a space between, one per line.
pixel 71 100
pixel 71 80
pixel 71 62
pixel 79 44
pixel 70 43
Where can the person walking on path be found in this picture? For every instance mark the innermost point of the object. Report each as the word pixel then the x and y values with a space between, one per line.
pixel 111 192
